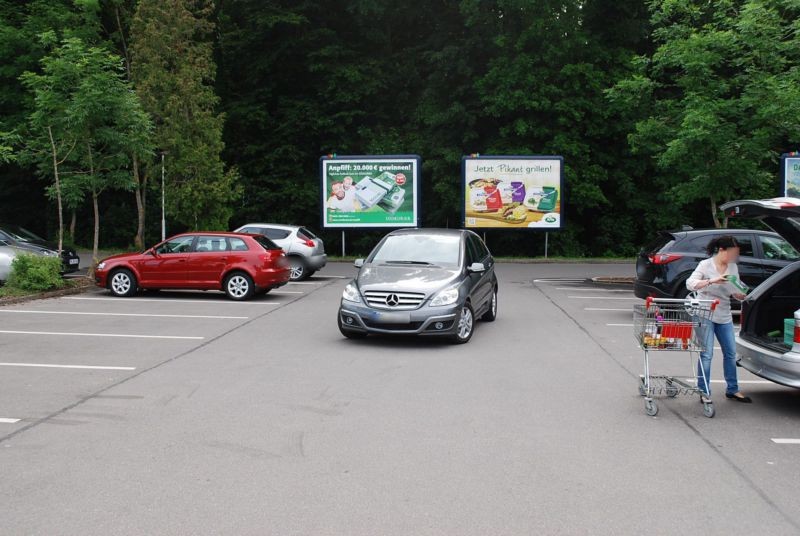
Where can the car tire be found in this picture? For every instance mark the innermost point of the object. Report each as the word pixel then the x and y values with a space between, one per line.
pixel 239 286
pixel 299 271
pixel 682 292
pixel 491 314
pixel 122 283
pixel 465 325
pixel 348 333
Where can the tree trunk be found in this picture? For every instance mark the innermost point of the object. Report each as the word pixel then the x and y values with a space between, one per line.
pixel 714 211
pixel 141 194
pixel 72 224
pixel 58 191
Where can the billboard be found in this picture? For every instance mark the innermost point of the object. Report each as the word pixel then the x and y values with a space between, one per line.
pixel 790 172
pixel 370 191
pixel 513 192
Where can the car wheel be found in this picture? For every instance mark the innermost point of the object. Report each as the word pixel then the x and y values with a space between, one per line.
pixel 298 269
pixel 350 334
pixel 491 314
pixel 682 292
pixel 122 283
pixel 465 325
pixel 239 286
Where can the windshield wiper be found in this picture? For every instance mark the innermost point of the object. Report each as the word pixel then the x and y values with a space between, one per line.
pixel 419 263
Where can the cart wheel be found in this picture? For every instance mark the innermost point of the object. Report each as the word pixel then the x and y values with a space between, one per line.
pixel 650 408
pixel 708 410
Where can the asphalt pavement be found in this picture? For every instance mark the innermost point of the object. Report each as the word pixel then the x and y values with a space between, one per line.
pixel 186 413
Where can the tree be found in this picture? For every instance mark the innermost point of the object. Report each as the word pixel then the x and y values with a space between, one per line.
pixel 715 90
pixel 173 72
pixel 87 118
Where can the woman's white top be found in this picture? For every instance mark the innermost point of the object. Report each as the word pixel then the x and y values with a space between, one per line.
pixel 718 291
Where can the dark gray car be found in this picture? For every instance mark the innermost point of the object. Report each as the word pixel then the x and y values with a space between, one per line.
pixel 421 282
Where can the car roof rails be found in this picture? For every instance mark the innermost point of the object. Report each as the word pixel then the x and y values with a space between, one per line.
pixel 687 228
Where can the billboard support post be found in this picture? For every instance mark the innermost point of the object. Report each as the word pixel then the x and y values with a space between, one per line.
pixel 343 253
pixel 546 237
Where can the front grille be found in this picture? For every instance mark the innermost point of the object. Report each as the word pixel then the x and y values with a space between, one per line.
pixel 393 300
pixel 412 326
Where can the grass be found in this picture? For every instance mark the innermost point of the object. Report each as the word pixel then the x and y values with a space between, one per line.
pixel 12 292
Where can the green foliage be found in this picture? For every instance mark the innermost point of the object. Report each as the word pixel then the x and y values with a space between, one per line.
pixel 35 273
pixel 173 70
pixel 716 90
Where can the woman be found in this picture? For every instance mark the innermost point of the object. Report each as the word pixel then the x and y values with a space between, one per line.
pixel 711 280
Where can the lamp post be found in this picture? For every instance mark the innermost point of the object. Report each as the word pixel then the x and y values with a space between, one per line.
pixel 163 195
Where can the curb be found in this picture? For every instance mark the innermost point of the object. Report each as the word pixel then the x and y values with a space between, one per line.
pixel 81 286
pixel 615 280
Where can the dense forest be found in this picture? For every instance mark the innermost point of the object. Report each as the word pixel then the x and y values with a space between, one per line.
pixel 662 109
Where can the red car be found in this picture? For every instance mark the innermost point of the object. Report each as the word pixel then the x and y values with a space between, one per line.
pixel 240 264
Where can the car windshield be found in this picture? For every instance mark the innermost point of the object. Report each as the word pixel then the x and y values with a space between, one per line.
pixel 21 234
pixel 419 249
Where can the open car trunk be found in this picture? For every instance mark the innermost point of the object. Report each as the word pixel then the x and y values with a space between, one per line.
pixel 778 297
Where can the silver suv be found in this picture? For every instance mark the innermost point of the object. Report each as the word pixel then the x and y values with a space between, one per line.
pixel 306 251
pixel 421 282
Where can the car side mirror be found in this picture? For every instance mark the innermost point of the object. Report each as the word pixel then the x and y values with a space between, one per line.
pixel 151 251
pixel 359 263
pixel 476 268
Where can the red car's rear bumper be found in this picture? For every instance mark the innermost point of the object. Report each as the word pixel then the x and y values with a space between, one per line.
pixel 271 277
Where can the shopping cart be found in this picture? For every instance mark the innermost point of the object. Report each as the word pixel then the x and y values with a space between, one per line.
pixel 668 325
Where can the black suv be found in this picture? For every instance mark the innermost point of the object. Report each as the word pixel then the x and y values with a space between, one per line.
pixel 665 263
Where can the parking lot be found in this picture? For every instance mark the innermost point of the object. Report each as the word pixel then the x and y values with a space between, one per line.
pixel 187 413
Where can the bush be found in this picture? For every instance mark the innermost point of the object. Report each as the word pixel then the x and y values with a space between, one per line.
pixel 35 273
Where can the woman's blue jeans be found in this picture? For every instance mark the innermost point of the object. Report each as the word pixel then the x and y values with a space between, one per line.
pixel 724 334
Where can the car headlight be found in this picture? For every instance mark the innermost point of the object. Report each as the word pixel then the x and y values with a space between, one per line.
pixel 101 265
pixel 351 293
pixel 448 296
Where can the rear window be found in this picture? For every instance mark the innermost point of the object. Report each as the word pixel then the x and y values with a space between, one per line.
pixel 275 234
pixel 305 234
pixel 265 242
pixel 237 244
pixel 663 241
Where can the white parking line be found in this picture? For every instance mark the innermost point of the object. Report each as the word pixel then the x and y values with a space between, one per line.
pixel 46 365
pixel 694 380
pixel 620 325
pixel 4 420
pixel 600 298
pixel 170 300
pixel 287 292
pixel 122 314
pixel 114 335
pixel 558 280
pixel 588 289
pixel 332 277
pixel 781 441
pixel 304 283
pixel 628 310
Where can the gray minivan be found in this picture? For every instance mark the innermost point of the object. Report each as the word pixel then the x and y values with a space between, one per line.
pixel 433 282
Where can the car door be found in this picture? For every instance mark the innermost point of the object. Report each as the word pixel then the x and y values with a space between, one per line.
pixel 207 261
pixel 775 253
pixel 482 286
pixel 166 266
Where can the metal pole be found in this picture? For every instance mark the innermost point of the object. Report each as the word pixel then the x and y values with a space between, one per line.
pixel 343 253
pixel 163 195
pixel 546 236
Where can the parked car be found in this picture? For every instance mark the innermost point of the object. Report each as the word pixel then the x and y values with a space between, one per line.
pixel 25 239
pixel 664 265
pixel 7 255
pixel 770 332
pixel 421 282
pixel 306 251
pixel 241 265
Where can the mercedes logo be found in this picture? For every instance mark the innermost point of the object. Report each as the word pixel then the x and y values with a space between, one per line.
pixel 392 300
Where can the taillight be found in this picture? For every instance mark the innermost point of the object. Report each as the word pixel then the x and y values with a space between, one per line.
pixel 663 258
pixel 796 329
pixel 308 242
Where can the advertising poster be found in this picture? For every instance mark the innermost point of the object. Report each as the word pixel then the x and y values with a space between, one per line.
pixel 513 192
pixel 791 174
pixel 370 191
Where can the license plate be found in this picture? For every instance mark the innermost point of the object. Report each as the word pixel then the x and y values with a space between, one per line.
pixel 394 318
pixel 74 261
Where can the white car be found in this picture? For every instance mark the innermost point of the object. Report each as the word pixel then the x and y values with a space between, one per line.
pixel 7 254
pixel 305 250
